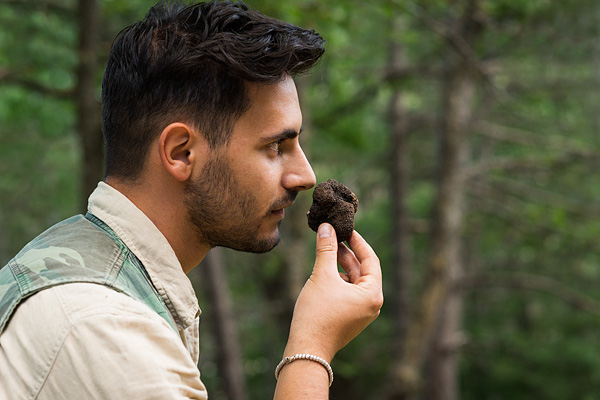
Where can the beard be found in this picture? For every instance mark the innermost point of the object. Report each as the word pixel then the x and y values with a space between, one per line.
pixel 226 214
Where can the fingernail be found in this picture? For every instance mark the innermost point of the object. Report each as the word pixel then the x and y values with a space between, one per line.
pixel 324 231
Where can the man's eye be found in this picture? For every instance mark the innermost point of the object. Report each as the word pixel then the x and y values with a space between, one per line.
pixel 275 146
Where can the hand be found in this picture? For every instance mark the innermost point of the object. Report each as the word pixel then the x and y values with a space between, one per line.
pixel 333 308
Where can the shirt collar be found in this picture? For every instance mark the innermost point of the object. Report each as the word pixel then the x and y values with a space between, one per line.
pixel 144 239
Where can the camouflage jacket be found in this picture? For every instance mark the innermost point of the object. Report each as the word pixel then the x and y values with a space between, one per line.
pixel 79 249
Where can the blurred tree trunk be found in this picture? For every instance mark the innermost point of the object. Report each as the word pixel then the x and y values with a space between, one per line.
pixel 88 108
pixel 458 99
pixel 223 326
pixel 83 95
pixel 400 175
pixel 435 326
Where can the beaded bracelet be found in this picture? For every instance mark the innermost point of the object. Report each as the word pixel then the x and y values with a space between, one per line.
pixel 310 357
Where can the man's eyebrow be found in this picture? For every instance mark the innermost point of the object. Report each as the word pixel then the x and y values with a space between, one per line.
pixel 286 134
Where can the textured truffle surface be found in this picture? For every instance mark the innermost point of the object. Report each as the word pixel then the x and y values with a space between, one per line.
pixel 336 204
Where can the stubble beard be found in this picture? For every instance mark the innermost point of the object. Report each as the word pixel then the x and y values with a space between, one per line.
pixel 223 213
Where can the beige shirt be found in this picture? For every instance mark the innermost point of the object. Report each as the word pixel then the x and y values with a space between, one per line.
pixel 86 341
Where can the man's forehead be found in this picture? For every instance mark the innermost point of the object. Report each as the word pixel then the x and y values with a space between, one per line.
pixel 275 107
pixel 273 112
pixel 259 91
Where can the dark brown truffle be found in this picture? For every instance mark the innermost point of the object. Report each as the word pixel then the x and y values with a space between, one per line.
pixel 336 204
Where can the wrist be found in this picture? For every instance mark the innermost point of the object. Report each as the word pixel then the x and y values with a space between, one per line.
pixel 307 346
pixel 305 357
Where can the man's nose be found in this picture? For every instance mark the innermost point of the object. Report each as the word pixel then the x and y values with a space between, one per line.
pixel 300 175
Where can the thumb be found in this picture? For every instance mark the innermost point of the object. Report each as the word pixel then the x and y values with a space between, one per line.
pixel 327 247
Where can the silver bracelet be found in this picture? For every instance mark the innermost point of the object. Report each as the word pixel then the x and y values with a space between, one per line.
pixel 310 357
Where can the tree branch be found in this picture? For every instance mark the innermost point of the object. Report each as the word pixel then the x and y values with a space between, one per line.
pixel 528 138
pixel 491 201
pixel 548 198
pixel 393 74
pixel 365 95
pixel 54 8
pixel 507 203
pixel 523 164
pixel 456 40
pixel 11 78
pixel 525 281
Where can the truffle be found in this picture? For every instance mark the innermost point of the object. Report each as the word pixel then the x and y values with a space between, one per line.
pixel 336 204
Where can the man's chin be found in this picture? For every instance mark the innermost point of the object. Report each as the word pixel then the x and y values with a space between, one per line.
pixel 254 244
pixel 256 249
pixel 264 246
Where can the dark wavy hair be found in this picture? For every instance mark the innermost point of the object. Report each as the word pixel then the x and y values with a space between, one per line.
pixel 190 64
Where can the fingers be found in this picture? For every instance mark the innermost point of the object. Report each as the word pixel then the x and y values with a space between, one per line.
pixel 348 262
pixel 368 260
pixel 357 261
pixel 345 277
pixel 327 248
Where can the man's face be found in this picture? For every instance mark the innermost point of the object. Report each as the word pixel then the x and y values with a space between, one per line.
pixel 237 200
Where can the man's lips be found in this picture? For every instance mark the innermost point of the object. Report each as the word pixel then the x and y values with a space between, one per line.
pixel 278 207
pixel 279 211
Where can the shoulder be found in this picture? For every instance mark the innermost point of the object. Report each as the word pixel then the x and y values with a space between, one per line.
pixel 76 336
pixel 69 305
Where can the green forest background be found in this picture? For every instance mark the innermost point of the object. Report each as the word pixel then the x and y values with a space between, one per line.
pixel 469 130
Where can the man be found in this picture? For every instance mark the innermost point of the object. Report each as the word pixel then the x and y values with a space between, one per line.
pixel 201 122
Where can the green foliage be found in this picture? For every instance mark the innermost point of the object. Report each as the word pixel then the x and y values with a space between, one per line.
pixel 535 210
pixel 37 144
pixel 538 350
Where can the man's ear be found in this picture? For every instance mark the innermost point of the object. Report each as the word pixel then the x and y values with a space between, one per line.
pixel 179 146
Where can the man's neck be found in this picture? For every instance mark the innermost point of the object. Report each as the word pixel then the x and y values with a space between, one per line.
pixel 166 209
